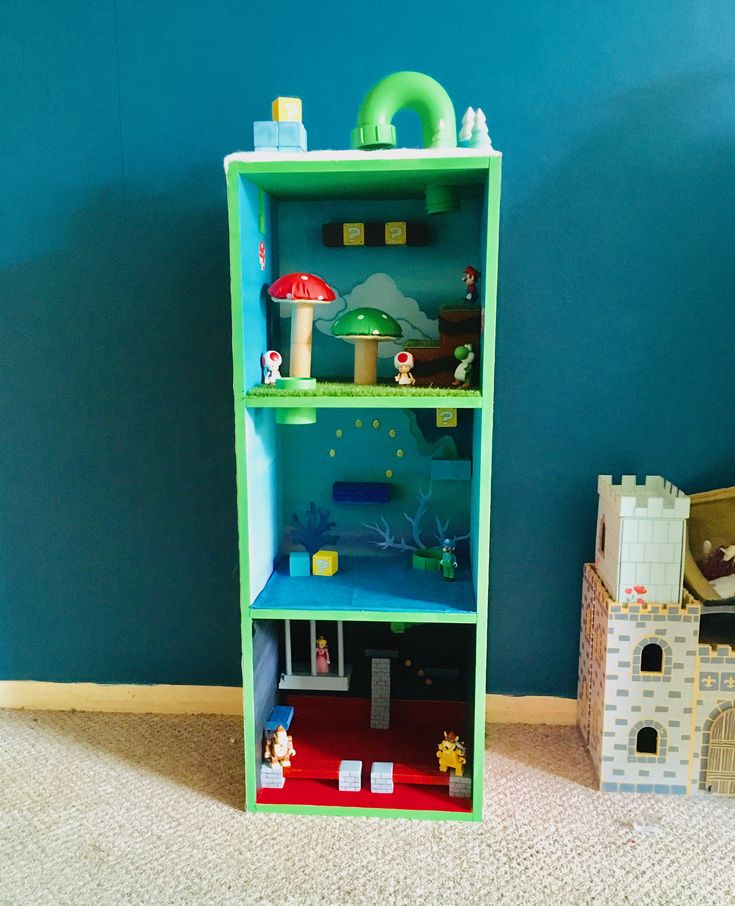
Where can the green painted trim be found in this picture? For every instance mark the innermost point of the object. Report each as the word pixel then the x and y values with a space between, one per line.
pixel 484 502
pixel 362 616
pixel 370 164
pixel 399 177
pixel 233 202
pixel 364 402
pixel 354 812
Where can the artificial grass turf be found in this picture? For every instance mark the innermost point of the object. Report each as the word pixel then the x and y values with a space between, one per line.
pixel 334 388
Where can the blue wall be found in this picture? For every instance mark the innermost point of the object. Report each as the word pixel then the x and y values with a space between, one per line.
pixel 615 347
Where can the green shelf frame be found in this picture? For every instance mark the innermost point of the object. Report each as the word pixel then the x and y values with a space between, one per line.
pixel 318 401
pixel 366 175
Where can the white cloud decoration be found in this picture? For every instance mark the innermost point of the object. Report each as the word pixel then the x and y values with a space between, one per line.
pixel 378 291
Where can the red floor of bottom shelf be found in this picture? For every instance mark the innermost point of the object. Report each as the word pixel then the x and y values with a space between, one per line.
pixel 329 729
pixel 325 793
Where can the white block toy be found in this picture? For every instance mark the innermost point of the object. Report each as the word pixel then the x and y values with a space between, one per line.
pixel 381 777
pixel 272 778
pixel 350 776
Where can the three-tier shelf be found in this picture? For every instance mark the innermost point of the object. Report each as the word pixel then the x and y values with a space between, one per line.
pixel 405 454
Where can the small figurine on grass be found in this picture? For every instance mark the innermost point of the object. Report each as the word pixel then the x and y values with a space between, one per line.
pixel 448 562
pixel 470 278
pixel 322 655
pixel 403 363
pixel 271 360
pixel 278 748
pixel 463 372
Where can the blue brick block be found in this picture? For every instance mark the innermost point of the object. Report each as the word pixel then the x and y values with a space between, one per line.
pixel 291 136
pixel 281 715
pixel 643 788
pixel 265 135
pixel 679 790
pixel 361 492
pixel 299 563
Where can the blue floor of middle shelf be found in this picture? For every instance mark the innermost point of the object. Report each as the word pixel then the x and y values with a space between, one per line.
pixel 369 585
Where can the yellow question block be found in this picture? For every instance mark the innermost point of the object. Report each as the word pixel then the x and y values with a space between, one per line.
pixel 395 232
pixel 446 418
pixel 324 563
pixel 287 110
pixel 353 233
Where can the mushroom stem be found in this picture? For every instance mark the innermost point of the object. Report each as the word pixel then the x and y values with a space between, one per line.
pixel 366 361
pixel 302 320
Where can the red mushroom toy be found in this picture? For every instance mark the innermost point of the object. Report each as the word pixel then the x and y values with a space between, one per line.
pixel 304 291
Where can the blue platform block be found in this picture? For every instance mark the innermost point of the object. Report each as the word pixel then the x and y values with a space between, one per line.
pixel 280 716
pixel 291 136
pixel 265 135
pixel 360 492
pixel 299 563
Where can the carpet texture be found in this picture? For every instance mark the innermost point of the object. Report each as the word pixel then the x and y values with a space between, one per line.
pixel 106 809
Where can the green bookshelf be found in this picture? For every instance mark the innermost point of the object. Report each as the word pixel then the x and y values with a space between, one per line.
pixel 427 448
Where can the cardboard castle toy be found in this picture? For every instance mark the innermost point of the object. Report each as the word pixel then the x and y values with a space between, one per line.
pixel 656 707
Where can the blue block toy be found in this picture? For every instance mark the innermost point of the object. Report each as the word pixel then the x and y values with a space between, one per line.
pixel 360 492
pixel 291 136
pixel 280 716
pixel 265 135
pixel 299 563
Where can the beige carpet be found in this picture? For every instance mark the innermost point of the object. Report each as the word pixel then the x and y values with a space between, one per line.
pixel 108 809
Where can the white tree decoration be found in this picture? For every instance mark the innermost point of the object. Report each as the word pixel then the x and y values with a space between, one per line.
pixel 389 540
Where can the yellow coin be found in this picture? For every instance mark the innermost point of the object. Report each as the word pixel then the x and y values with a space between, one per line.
pixel 358 423
pixel 399 453
pixel 392 432
pixel 376 423
pixel 389 473
pixel 338 432
pixel 332 452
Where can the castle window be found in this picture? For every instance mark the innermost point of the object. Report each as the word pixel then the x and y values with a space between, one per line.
pixel 652 658
pixel 647 741
pixel 601 539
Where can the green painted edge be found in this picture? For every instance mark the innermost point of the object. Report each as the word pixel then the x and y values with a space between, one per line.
pixel 364 402
pixel 490 280
pixel 347 811
pixel 233 204
pixel 363 616
pixel 371 164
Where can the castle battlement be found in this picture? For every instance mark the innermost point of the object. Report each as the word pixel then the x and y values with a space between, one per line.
pixel 689 607
pixel 719 654
pixel 655 499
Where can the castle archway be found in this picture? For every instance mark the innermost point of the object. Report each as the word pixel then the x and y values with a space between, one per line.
pixel 718 762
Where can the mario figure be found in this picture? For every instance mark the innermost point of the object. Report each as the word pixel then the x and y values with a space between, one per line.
pixel 470 278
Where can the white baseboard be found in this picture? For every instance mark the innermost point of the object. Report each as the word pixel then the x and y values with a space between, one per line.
pixel 167 699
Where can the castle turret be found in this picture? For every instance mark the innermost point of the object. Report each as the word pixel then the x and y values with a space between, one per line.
pixel 640 539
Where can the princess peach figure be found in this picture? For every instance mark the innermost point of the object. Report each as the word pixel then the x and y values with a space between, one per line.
pixel 322 655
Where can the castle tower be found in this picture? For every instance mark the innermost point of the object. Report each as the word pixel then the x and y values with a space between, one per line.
pixel 639 641
pixel 640 539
